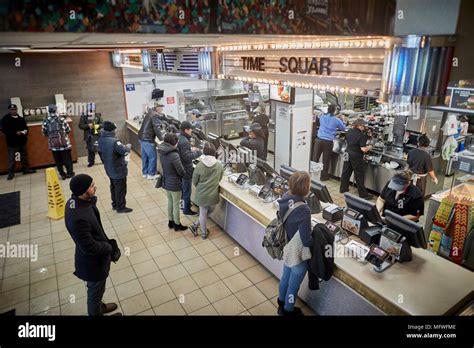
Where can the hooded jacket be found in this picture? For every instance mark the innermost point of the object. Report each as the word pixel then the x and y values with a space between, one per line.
pixel 206 177
pixel 187 156
pixel 113 155
pixel 172 168
pixel 93 250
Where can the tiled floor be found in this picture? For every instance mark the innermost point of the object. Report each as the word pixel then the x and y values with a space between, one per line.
pixel 161 272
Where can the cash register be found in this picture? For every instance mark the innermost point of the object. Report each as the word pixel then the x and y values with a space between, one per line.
pixel 356 218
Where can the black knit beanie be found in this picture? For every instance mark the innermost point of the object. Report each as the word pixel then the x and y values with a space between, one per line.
pixel 80 183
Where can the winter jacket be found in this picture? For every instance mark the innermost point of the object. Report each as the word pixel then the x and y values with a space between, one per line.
pixel 57 126
pixel 93 250
pixel 113 155
pixel 150 128
pixel 172 168
pixel 255 144
pixel 321 265
pixel 298 220
pixel 11 125
pixel 206 177
pixel 187 156
pixel 84 125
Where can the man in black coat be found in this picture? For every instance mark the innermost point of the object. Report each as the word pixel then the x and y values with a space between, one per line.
pixel 254 141
pixel 16 131
pixel 187 156
pixel 149 130
pixel 113 155
pixel 93 249
pixel 91 123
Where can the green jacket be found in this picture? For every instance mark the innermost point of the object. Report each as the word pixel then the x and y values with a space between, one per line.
pixel 206 177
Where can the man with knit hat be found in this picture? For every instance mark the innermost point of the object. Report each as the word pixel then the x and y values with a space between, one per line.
pixel 113 155
pixel 94 250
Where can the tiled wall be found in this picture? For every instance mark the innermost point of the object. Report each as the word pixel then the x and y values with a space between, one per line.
pixel 80 76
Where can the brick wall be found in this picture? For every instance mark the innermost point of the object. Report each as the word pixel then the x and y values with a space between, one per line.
pixel 80 76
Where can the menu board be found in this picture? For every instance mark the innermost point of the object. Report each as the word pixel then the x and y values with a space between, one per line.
pixel 284 94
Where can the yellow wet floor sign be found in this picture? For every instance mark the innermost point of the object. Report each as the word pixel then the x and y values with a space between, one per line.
pixel 55 195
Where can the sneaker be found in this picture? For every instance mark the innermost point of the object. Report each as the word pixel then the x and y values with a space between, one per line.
pixel 205 235
pixel 108 307
pixel 144 176
pixel 343 191
pixel 118 314
pixel 296 312
pixel 170 224
pixel 368 197
pixel 192 213
pixel 152 177
pixel 70 175
pixel 63 176
pixel 10 176
pixel 180 227
pixel 90 165
pixel 125 210
pixel 193 229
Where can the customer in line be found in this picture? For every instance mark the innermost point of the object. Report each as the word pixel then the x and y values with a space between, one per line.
pixel 149 130
pixel 299 220
pixel 16 133
pixel 187 155
pixel 206 177
pixel 357 146
pixel 254 141
pixel 93 249
pixel 56 128
pixel 402 197
pixel 329 124
pixel 420 164
pixel 173 173
pixel 91 124
pixel 113 155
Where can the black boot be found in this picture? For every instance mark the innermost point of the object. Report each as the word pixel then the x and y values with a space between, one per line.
pixel 280 306
pixel 296 312
pixel 180 227
pixel 170 224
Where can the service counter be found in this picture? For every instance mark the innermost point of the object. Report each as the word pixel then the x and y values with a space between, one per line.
pixel 37 147
pixel 428 285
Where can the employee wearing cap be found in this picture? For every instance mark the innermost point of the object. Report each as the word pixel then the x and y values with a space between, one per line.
pixel 402 197
pixel 329 124
pixel 113 155
pixel 354 158
pixel 56 128
pixel 149 130
pixel 16 133
pixel 254 141
pixel 187 155
pixel 420 163
pixel 195 116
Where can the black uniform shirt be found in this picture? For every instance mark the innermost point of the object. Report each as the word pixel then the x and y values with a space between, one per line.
pixel 355 139
pixel 419 161
pixel 409 202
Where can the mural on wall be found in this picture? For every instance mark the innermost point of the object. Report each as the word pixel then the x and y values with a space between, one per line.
pixel 322 17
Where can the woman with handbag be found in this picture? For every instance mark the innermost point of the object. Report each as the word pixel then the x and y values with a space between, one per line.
pixel 172 174
pixel 296 252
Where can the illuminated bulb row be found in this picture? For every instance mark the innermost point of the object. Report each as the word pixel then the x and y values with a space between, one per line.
pixel 376 43
pixel 350 90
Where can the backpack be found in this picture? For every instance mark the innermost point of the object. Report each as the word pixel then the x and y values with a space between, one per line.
pixel 56 134
pixel 275 237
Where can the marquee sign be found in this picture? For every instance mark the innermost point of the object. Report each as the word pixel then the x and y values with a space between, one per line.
pixel 349 63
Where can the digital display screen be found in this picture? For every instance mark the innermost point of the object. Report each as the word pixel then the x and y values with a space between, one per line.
pixel 242 179
pixel 352 213
pixel 285 94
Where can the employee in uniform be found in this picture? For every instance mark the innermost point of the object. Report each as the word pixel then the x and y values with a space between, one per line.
pixel 420 164
pixel 402 197
pixel 354 159
pixel 262 119
pixel 254 141
pixel 328 125
pixel 195 118
pixel 91 124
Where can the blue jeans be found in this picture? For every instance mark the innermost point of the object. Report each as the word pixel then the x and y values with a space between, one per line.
pixel 148 158
pixel 95 292
pixel 187 186
pixel 290 284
